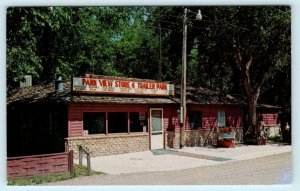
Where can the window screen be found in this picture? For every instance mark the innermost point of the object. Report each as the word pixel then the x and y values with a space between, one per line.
pixel 94 122
pixel 138 121
pixel 221 119
pixel 195 119
pixel 117 122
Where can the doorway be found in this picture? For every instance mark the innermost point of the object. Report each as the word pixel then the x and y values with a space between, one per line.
pixel 156 124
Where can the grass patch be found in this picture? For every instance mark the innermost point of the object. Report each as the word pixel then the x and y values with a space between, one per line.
pixel 39 179
pixel 276 138
pixel 78 171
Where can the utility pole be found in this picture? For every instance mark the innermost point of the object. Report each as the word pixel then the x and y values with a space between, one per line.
pixel 183 83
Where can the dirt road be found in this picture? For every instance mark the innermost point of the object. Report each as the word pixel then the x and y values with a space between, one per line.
pixel 275 169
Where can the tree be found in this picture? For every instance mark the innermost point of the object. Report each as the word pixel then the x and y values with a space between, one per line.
pixel 21 46
pixel 44 41
pixel 136 46
pixel 76 40
pixel 233 49
pixel 262 48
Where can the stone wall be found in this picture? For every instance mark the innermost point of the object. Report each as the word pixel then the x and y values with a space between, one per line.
pixel 239 135
pixel 274 131
pixel 172 139
pixel 100 145
pixel 199 137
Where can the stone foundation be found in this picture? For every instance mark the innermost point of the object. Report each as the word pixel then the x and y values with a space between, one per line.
pixel 199 137
pixel 172 139
pixel 100 145
pixel 274 131
pixel 239 135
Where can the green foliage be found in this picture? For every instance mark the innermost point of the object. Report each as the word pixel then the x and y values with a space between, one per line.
pixel 77 40
pixel 39 179
pixel 45 41
pixel 136 47
pixel 263 31
pixel 125 41
pixel 276 138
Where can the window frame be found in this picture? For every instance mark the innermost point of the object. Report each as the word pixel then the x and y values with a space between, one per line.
pixel 142 119
pixel 105 121
pixel 189 120
pixel 106 116
pixel 222 122
pixel 126 122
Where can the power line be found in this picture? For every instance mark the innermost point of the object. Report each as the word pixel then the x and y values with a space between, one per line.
pixel 169 22
pixel 163 15
pixel 151 26
pixel 173 30
pixel 208 21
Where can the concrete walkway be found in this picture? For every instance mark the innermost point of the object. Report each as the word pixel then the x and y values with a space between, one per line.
pixel 178 159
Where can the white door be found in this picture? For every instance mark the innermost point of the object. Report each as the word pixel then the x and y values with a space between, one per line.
pixel 156 124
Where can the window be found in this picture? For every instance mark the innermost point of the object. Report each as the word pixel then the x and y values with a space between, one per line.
pixel 117 122
pixel 195 119
pixel 94 122
pixel 138 122
pixel 221 119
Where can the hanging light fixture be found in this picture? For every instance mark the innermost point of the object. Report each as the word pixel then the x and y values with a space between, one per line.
pixel 199 15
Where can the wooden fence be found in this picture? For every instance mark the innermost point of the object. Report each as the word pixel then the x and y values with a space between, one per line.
pixel 37 165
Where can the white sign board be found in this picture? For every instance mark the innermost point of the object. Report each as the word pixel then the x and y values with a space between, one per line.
pixel 121 86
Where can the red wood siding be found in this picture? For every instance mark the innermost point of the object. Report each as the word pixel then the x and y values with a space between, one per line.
pixel 269 118
pixel 233 115
pixel 37 165
pixel 75 122
pixel 209 119
pixel 234 118
pixel 171 118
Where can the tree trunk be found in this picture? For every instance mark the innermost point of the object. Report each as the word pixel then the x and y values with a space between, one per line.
pixel 252 102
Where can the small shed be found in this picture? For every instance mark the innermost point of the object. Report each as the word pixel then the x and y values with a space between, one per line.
pixel 270 116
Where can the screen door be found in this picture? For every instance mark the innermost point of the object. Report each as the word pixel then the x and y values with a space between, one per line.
pixel 156 123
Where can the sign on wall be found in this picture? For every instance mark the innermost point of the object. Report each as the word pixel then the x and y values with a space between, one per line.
pixel 107 85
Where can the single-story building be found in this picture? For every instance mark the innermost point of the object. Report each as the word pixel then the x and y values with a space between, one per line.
pixel 270 115
pixel 112 115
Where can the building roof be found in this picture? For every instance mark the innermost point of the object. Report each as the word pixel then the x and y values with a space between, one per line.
pixel 266 106
pixel 47 93
pixel 201 95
